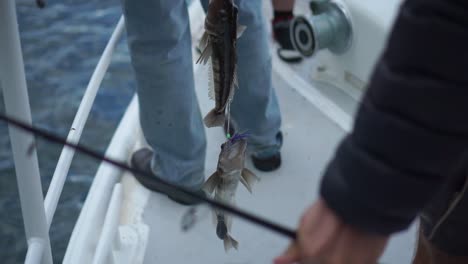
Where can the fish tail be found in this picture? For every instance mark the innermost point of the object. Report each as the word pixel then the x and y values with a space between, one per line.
pixel 221 227
pixel 214 119
pixel 222 231
pixel 230 242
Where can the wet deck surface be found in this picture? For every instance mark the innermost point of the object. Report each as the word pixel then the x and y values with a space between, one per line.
pixel 281 196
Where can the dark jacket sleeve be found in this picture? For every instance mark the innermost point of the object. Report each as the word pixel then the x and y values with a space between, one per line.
pixel 411 130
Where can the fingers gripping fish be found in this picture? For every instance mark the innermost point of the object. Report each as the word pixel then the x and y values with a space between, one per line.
pixel 218 46
pixel 224 181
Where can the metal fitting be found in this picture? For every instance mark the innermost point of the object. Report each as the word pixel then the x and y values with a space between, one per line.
pixel 328 27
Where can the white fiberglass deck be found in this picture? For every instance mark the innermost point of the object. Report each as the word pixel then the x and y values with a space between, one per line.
pixel 315 118
pixel 310 138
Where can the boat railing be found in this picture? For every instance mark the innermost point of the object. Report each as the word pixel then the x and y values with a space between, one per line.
pixel 63 165
pixel 38 212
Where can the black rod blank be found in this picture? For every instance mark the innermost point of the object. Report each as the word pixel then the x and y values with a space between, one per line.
pixel 159 183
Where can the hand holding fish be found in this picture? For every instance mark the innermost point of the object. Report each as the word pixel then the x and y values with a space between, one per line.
pixel 324 238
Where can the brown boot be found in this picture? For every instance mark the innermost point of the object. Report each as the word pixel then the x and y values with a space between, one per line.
pixel 428 254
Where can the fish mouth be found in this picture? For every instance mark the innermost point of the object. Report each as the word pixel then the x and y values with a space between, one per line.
pixel 234 149
pixel 232 156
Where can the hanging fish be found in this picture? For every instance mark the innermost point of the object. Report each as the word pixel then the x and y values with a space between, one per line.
pixel 218 45
pixel 224 181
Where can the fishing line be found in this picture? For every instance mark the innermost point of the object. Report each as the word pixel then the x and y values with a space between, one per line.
pixel 162 184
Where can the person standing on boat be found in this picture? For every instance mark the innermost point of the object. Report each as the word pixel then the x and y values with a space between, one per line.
pixel 159 39
pixel 407 155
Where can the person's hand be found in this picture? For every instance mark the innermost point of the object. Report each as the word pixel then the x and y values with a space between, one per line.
pixel 323 238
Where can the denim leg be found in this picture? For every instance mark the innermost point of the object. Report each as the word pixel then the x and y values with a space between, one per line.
pixel 159 40
pixel 255 106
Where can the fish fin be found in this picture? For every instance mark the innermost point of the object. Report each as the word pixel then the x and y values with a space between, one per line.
pixel 250 178
pixel 236 81
pixel 247 186
pixel 231 96
pixel 211 88
pixel 228 220
pixel 205 55
pixel 230 242
pixel 235 84
pixel 203 41
pixel 210 185
pixel 240 30
pixel 213 119
pixel 214 218
pixel 207 58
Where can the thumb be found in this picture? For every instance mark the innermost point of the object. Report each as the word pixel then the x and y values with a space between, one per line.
pixel 291 255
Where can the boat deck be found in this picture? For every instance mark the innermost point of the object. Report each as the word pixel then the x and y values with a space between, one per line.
pixel 310 138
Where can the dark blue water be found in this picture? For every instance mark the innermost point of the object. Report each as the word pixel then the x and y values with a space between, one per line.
pixel 61 45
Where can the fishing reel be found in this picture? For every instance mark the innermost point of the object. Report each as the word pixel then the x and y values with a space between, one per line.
pixel 328 27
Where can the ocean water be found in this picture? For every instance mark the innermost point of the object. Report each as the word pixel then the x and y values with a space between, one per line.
pixel 61 46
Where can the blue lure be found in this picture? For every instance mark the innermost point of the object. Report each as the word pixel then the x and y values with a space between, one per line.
pixel 236 138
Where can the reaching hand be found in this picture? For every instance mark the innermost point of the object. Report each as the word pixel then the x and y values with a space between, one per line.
pixel 323 238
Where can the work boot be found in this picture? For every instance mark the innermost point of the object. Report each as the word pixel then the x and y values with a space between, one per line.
pixel 428 254
pixel 266 163
pixel 141 160
pixel 270 161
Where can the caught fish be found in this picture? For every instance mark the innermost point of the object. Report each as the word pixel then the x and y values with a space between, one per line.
pixel 224 181
pixel 218 45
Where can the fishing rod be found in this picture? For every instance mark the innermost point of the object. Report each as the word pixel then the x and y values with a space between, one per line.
pixel 162 184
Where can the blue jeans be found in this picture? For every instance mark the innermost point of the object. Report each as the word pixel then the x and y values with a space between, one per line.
pixel 159 39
